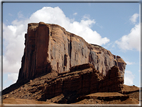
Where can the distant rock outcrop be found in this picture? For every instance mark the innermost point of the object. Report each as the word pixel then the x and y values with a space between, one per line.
pixel 49 47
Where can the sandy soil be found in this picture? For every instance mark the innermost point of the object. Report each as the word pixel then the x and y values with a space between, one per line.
pixel 128 95
pixel 95 98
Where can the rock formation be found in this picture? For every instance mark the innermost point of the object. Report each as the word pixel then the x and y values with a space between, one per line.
pixel 61 67
pixel 82 84
pixel 49 47
pixel 80 80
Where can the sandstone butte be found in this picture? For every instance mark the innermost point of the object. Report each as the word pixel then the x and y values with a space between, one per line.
pixel 61 67
pixel 49 47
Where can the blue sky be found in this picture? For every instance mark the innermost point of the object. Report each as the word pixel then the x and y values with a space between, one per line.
pixel 114 26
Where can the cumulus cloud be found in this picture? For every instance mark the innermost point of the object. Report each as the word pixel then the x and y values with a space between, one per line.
pixel 82 28
pixel 129 63
pixel 133 18
pixel 10 79
pixel 128 78
pixel 20 15
pixel 75 13
pixel 130 41
pixel 13 77
pixel 10 14
pixel 13 36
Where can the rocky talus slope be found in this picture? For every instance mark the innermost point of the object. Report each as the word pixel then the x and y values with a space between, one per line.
pixel 77 86
pixel 73 83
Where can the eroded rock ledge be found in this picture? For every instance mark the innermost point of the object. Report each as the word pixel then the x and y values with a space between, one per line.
pixel 49 47
pixel 69 86
pixel 80 82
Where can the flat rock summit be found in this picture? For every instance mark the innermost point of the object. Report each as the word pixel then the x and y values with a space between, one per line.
pixel 61 67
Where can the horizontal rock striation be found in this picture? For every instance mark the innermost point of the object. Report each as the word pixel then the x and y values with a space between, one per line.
pixel 68 86
pixel 49 47
pixel 81 82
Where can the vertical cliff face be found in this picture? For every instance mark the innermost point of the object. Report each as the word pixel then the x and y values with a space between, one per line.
pixel 49 47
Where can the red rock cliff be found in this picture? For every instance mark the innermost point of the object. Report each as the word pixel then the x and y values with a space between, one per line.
pixel 49 47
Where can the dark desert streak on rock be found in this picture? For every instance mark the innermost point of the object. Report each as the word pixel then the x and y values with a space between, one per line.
pixel 49 47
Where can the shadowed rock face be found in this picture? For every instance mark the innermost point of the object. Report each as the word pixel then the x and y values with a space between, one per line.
pixel 49 47
pixel 79 82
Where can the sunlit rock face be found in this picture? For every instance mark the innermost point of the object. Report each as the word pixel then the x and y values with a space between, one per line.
pixel 49 47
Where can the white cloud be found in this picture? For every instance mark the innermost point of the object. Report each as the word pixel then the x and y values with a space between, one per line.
pixel 10 14
pixel 86 16
pixel 14 34
pixel 128 78
pixel 13 77
pixel 130 41
pixel 10 79
pixel 82 28
pixel 133 18
pixel 75 13
pixel 20 15
pixel 129 63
